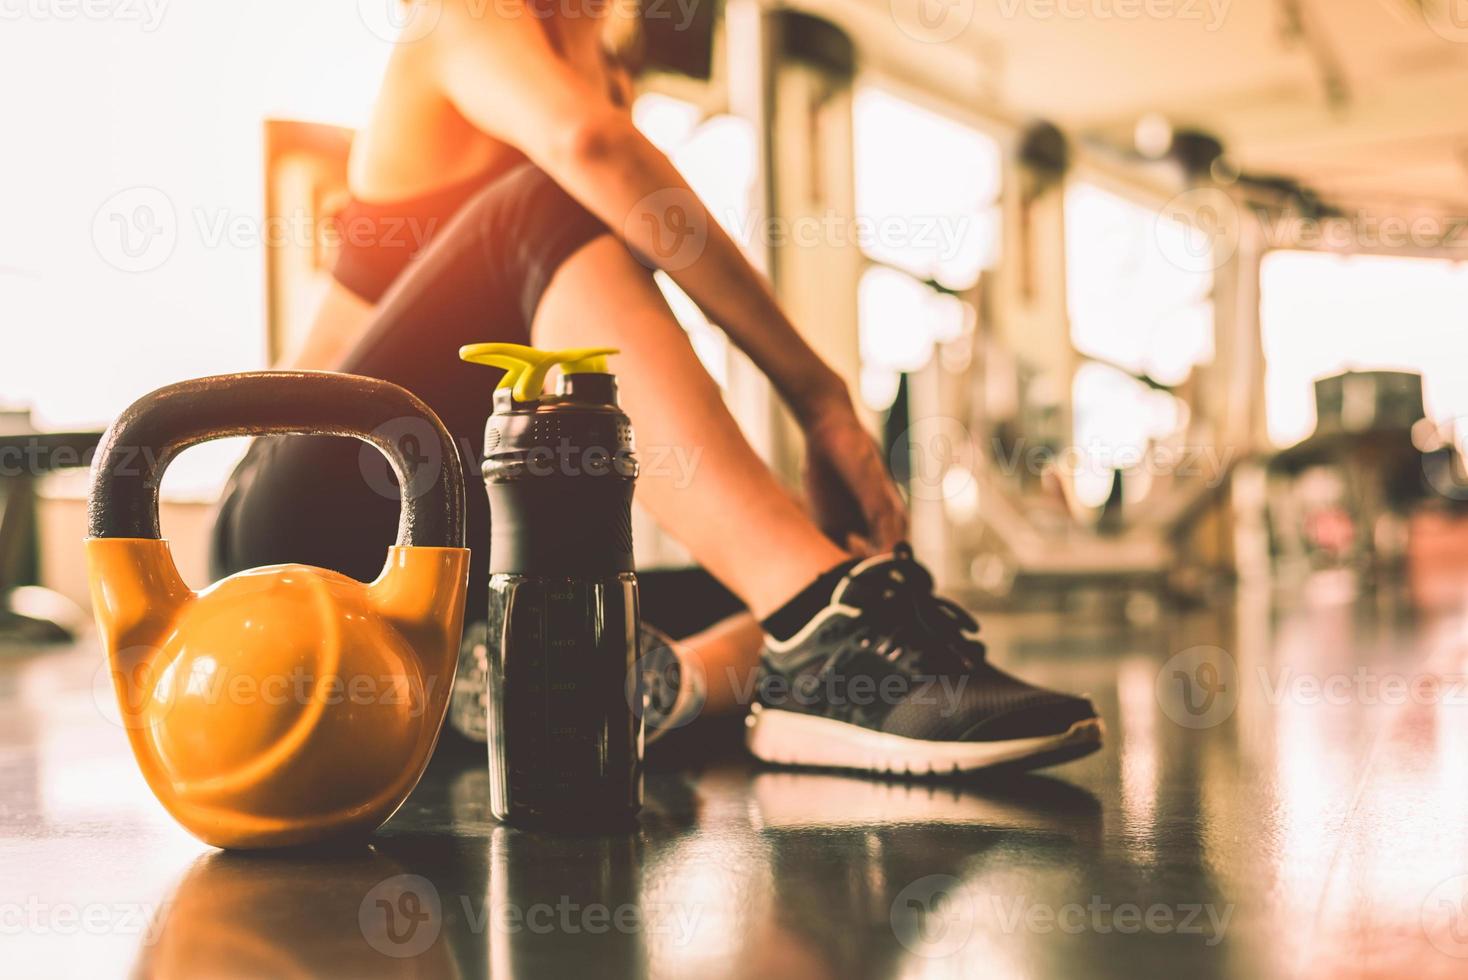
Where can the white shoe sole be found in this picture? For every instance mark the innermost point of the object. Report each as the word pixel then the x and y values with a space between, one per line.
pixel 789 738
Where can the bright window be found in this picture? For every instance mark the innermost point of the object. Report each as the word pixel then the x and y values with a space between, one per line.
pixel 1321 314
pixel 927 190
pixel 717 158
pixel 1136 313
pixel 1129 302
pixel 152 128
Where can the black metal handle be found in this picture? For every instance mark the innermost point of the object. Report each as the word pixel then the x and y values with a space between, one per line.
pixel 138 447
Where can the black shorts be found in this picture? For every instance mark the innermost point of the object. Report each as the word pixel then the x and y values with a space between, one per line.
pixel 329 501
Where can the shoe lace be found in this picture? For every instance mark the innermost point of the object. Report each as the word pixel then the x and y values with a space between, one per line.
pixel 918 628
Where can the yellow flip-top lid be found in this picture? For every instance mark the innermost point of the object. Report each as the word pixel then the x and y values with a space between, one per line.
pixel 526 367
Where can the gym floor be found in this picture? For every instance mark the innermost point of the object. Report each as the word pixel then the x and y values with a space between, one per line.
pixel 1281 794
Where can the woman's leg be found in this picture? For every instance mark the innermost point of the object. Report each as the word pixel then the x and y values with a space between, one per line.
pixel 728 509
pixel 524 250
pixel 727 654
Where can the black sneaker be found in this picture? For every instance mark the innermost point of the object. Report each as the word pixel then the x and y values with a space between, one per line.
pixel 667 688
pixel 891 678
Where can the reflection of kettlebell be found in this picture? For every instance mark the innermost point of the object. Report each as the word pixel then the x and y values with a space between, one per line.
pixel 283 704
pixel 349 914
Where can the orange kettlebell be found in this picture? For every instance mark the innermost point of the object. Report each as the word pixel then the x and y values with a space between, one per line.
pixel 286 704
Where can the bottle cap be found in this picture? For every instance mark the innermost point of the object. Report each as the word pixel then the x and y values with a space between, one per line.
pixel 526 367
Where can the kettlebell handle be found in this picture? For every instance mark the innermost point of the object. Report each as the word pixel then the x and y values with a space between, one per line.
pixel 145 438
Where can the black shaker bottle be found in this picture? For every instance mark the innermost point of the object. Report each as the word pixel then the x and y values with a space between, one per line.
pixel 565 745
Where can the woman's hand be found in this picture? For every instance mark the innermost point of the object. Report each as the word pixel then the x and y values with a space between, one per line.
pixel 853 498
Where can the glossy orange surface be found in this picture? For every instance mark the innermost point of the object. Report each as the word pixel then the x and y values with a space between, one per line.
pixel 282 705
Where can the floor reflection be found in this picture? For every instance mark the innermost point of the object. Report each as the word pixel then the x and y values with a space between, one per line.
pixel 249 915
pixel 1281 794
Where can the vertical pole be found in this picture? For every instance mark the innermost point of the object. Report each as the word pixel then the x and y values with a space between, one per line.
pixel 791 75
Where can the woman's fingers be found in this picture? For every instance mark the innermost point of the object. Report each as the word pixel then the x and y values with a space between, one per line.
pixel 851 491
pixel 881 504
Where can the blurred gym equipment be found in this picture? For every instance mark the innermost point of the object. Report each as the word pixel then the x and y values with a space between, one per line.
pixel 30 614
